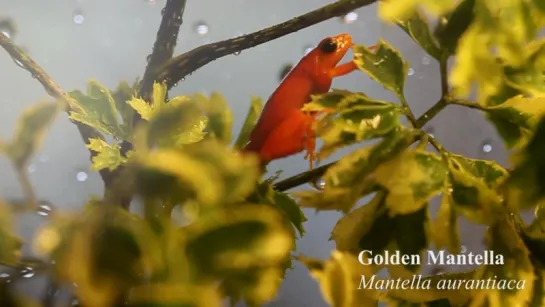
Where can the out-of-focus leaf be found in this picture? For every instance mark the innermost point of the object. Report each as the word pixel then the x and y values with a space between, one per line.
pixel 97 109
pixel 108 156
pixel 366 228
pixel 526 184
pixel 505 27
pixel 104 251
pixel 220 118
pixel 242 240
pixel 445 227
pixel 392 10
pixel 288 205
pixel 516 118
pixel 256 106
pixel 350 178
pixel 385 65
pixel 412 179
pixel 416 25
pixel 517 268
pixel 10 243
pixel 453 25
pixel 180 175
pixel 340 278
pixel 473 187
pixel 528 77
pixel 412 234
pixel 29 133
pixel 163 295
pixel 357 118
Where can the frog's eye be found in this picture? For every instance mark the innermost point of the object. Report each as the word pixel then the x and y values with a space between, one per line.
pixel 328 45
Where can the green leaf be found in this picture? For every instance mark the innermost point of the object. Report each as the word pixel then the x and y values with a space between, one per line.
pixel 288 205
pixel 412 179
pixel 108 156
pixel 29 133
pixel 516 118
pixel 339 279
pixel 392 10
pixel 365 228
pixel 256 106
pixel 349 179
pixel 445 227
pixel 528 76
pixel 144 109
pixel 417 27
pixel 473 186
pixel 385 65
pixel 238 240
pixel 504 240
pixel 10 243
pixel 122 94
pixel 526 184
pixel 358 118
pixel 104 252
pixel 220 118
pixel 180 175
pixel 453 25
pixel 169 295
pixel 98 109
pixel 412 233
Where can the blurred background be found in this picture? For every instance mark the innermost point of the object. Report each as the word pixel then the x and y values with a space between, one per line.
pixel 74 40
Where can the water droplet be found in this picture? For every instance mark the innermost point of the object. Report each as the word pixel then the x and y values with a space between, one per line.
pixel 426 60
pixel 307 49
pixel 236 53
pixel 284 71
pixel 487 147
pixel 7 27
pixel 28 272
pixel 44 210
pixel 31 168
pixel 318 183
pixel 350 18
pixel 410 72
pixel 201 28
pixel 463 249
pixel 4 275
pixel 78 18
pixel 81 176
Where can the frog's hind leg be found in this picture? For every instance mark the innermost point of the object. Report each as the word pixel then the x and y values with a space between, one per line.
pixel 292 136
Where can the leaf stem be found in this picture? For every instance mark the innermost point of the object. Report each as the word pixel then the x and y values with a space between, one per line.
pixel 408 111
pixel 179 67
pixel 443 71
pixel 27 188
pixel 467 103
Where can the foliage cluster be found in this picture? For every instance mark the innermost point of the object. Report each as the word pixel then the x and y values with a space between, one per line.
pixel 239 234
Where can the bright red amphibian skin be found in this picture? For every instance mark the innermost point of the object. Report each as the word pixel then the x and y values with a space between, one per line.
pixel 283 128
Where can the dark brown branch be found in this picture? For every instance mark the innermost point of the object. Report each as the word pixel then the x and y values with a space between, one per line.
pixel 179 67
pixel 53 89
pixel 163 49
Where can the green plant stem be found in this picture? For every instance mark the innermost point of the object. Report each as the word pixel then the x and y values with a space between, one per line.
pixel 27 188
pixel 54 90
pixel 181 66
pixel 467 103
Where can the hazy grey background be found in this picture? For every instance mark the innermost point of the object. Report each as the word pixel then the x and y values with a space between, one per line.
pixel 74 40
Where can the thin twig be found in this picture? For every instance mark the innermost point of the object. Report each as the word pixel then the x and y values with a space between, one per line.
pixel 54 90
pixel 27 188
pixel 179 67
pixel 163 49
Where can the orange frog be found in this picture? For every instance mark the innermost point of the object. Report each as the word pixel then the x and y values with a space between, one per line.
pixel 283 128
